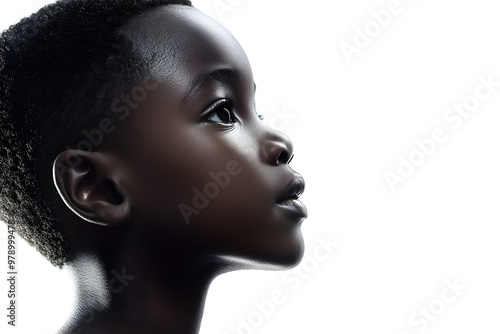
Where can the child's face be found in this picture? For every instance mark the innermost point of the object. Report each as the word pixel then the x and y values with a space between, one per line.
pixel 172 153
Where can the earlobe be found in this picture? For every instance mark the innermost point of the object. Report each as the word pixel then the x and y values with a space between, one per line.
pixel 89 183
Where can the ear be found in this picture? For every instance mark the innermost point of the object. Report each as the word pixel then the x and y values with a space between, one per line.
pixel 90 185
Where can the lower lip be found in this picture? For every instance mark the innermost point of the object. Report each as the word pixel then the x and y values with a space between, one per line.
pixel 294 206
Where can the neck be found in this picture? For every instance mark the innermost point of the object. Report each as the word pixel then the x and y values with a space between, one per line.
pixel 128 295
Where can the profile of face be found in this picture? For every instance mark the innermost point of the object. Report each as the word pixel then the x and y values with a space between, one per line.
pixel 208 174
pixel 202 176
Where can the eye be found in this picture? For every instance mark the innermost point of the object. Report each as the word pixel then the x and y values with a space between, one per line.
pixel 220 112
pixel 221 115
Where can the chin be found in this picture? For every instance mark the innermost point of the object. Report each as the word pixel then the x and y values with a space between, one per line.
pixel 272 252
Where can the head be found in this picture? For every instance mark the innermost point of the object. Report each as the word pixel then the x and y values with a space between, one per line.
pixel 135 126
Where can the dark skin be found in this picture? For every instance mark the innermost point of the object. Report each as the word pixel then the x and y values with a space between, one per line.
pixel 121 203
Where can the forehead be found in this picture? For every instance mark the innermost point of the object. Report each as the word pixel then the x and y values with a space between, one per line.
pixel 180 42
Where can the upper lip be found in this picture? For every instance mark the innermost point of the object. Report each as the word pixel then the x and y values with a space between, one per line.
pixel 292 190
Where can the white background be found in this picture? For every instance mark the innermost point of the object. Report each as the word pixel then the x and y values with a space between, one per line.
pixel 350 123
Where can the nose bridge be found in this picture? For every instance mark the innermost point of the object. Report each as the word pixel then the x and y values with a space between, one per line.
pixel 277 147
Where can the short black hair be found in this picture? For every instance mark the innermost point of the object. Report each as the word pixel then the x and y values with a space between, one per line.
pixel 60 70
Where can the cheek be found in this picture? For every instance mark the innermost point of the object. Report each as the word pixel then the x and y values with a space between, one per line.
pixel 185 169
pixel 242 214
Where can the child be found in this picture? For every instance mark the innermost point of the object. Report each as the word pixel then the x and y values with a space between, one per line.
pixel 131 151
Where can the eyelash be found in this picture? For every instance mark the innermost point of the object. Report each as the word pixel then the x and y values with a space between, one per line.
pixel 223 104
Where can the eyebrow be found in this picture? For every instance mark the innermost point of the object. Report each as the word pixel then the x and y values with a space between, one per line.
pixel 222 75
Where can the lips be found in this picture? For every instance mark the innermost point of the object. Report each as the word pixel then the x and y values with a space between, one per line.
pixel 292 190
pixel 288 198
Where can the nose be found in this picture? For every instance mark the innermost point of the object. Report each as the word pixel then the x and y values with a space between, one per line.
pixel 278 149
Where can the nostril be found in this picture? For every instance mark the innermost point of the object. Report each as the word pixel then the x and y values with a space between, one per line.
pixel 278 150
pixel 283 158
